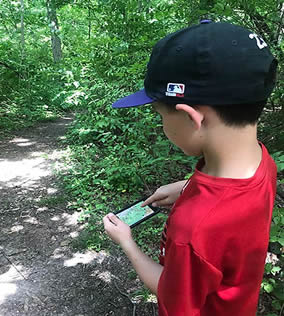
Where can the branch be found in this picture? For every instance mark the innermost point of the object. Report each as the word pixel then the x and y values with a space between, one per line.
pixel 280 28
pixel 125 295
pixel 12 264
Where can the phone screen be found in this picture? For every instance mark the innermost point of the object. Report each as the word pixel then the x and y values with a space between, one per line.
pixel 135 213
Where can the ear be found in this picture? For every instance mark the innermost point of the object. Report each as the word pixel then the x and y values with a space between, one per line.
pixel 195 115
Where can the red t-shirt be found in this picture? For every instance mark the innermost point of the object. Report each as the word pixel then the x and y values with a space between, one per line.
pixel 214 244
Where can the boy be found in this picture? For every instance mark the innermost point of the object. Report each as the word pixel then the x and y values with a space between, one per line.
pixel 209 83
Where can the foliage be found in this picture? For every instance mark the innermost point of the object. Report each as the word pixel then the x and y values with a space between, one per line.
pixel 274 268
pixel 279 159
pixel 32 87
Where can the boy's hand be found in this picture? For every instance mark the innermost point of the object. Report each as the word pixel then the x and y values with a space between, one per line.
pixel 116 229
pixel 166 195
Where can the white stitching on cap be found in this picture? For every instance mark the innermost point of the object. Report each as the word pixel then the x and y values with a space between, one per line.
pixel 259 41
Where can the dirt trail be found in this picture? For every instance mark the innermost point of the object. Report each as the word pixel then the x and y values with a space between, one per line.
pixel 40 272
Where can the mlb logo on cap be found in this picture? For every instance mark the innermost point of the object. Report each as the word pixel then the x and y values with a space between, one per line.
pixel 175 90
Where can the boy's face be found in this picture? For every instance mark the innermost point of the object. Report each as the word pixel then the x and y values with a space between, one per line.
pixel 180 130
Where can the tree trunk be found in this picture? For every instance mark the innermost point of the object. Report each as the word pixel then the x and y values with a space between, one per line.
pixel 54 29
pixel 22 31
pixel 90 21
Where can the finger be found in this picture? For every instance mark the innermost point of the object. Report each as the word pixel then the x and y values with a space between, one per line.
pixel 150 200
pixel 105 220
pixel 107 223
pixel 109 219
pixel 162 202
pixel 147 201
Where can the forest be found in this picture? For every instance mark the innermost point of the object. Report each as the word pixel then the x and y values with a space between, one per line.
pixel 79 56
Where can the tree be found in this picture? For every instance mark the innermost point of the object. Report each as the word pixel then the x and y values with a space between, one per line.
pixel 54 29
pixel 22 31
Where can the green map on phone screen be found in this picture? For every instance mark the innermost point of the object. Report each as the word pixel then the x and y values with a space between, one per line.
pixel 135 213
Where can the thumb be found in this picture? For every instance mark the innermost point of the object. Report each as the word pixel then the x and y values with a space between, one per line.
pixel 114 219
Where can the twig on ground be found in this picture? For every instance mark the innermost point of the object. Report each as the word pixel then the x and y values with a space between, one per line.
pixel 122 293
pixel 282 308
pixel 114 305
pixel 125 295
pixel 6 257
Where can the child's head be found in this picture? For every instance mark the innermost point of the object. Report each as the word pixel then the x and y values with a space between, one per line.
pixel 217 68
pixel 202 124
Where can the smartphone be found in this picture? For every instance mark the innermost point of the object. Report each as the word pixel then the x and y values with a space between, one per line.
pixel 135 214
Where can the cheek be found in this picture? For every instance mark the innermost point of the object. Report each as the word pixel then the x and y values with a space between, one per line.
pixel 165 128
pixel 171 134
pixel 165 131
pixel 170 128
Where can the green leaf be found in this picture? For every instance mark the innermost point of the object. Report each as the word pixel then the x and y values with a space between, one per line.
pixel 275 270
pixel 268 287
pixel 281 241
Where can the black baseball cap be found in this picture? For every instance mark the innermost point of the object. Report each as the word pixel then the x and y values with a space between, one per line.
pixel 207 64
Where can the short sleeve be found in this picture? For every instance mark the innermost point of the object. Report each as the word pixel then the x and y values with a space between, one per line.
pixel 186 281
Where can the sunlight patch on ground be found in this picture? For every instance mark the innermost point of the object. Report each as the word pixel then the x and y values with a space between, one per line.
pixel 26 144
pixel 102 255
pixel 6 289
pixel 42 209
pixel 11 275
pixel 56 154
pixel 31 220
pixel 58 253
pixel 84 258
pixel 55 218
pixel 106 276
pixel 16 228
pixel 22 142
pixel 71 219
pixel 74 234
pixel 52 190
pixel 41 154
pixel 18 140
pixel 23 172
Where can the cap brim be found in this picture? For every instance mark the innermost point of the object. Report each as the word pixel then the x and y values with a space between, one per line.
pixel 135 99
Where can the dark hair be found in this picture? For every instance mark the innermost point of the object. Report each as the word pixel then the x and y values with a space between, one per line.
pixel 238 115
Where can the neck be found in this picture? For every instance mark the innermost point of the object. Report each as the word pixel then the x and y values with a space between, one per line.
pixel 232 152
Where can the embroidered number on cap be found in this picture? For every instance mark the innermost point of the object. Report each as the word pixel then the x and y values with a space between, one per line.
pixel 259 41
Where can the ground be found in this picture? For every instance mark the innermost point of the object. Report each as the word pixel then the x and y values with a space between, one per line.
pixel 41 273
